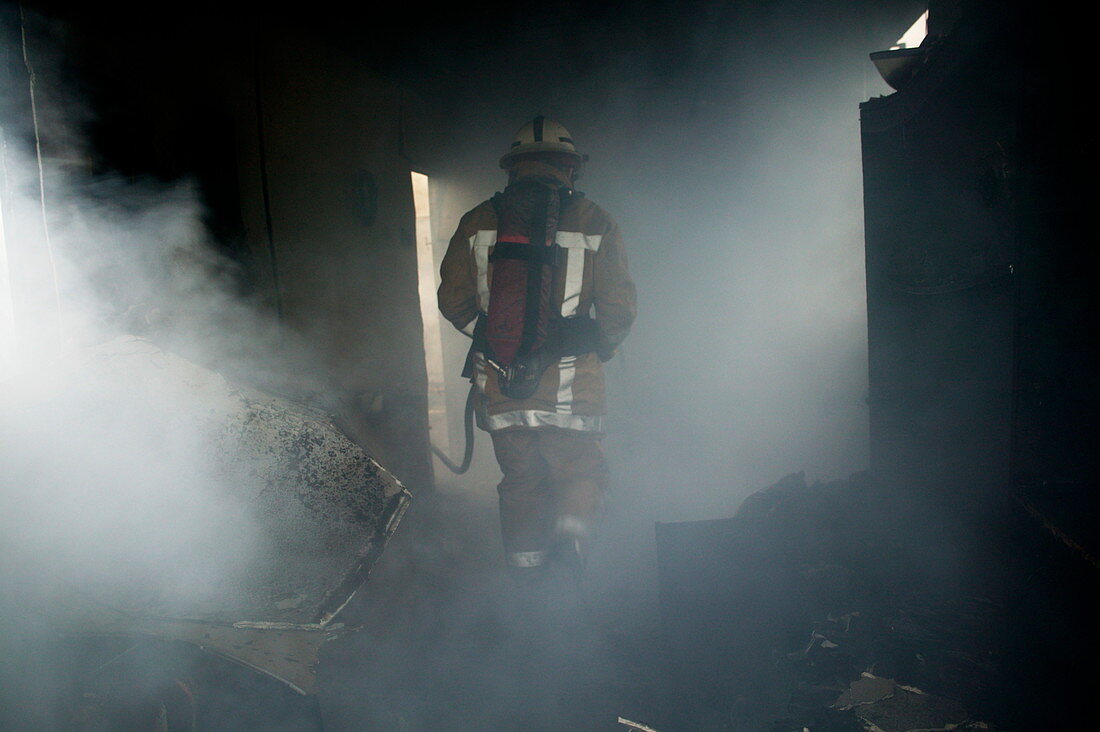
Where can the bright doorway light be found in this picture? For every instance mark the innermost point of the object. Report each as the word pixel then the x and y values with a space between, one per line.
pixel 915 35
pixel 429 314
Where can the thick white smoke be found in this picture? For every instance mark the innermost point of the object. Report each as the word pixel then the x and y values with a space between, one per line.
pixel 110 479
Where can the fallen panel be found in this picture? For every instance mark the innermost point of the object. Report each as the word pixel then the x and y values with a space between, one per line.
pixel 153 496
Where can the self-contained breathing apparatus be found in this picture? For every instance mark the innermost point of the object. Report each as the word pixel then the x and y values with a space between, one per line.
pixel 522 335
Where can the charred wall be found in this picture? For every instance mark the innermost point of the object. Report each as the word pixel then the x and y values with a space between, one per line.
pixel 978 173
pixel 328 208
pixel 940 288
pixel 982 372
pixel 300 154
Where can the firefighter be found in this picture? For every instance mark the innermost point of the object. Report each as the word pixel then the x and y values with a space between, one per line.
pixel 538 276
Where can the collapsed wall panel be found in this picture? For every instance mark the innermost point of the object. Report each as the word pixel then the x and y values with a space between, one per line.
pixel 147 495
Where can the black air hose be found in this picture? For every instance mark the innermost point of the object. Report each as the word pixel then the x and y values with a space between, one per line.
pixel 468 455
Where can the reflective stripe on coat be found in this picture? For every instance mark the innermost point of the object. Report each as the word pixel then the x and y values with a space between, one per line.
pixel 591 278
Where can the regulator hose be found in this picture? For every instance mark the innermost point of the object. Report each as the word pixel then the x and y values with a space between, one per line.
pixel 468 455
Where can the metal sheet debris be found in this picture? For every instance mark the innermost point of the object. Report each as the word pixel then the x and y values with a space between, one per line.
pixel 293 515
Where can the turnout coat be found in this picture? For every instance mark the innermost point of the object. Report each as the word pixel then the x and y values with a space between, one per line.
pixel 591 279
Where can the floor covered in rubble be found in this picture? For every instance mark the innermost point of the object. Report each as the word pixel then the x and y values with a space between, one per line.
pixel 809 609
pixel 447 642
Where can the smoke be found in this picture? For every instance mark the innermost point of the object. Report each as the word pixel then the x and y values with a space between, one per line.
pixel 724 138
pixel 115 304
pixel 727 149
pixel 118 258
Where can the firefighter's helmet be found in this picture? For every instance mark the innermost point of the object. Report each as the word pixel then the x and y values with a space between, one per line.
pixel 542 135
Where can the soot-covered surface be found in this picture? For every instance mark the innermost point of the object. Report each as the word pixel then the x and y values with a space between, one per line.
pixel 183 495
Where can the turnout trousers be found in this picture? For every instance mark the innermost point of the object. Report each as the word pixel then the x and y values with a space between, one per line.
pixel 553 489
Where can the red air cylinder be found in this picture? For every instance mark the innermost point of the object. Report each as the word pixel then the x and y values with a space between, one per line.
pixel 522 271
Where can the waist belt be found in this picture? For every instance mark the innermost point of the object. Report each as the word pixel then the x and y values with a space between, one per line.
pixel 564 337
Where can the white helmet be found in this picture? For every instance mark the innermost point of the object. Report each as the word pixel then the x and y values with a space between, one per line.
pixel 541 135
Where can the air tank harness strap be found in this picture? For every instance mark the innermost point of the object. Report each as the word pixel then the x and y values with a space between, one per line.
pixel 524 250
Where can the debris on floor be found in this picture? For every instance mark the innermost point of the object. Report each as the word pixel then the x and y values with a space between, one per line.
pixel 883 705
pixel 817 607
pixel 636 725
